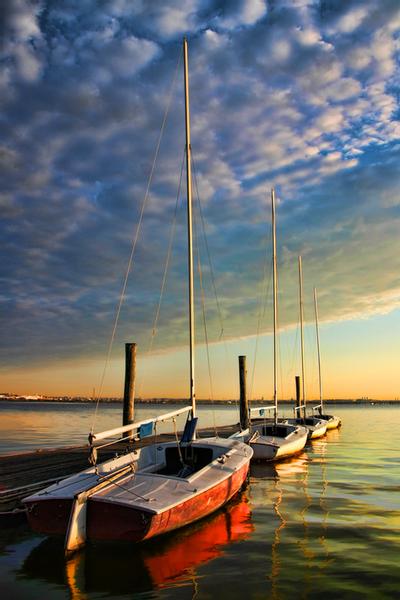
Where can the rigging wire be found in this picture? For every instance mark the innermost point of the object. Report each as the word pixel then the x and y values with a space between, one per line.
pixel 283 370
pixel 294 351
pixel 135 239
pixel 265 289
pixel 305 331
pixel 296 345
pixel 278 337
pixel 221 322
pixel 166 267
pixel 203 309
pixel 312 371
pixel 218 304
pixel 212 275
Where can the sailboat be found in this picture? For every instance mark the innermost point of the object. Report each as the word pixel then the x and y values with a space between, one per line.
pixel 151 490
pixel 316 426
pixel 332 421
pixel 274 441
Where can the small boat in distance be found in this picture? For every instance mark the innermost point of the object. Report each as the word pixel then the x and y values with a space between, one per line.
pixel 332 421
pixel 151 490
pixel 316 427
pixel 274 441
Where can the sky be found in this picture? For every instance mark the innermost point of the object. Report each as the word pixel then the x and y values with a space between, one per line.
pixel 299 95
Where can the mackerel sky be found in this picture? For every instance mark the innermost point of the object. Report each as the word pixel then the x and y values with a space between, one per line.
pixel 302 95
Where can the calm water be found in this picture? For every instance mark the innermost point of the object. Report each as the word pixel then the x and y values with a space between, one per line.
pixel 26 426
pixel 323 525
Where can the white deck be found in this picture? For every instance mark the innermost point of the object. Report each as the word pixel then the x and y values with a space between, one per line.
pixel 150 491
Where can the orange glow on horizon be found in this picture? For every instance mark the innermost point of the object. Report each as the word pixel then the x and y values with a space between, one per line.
pixel 351 373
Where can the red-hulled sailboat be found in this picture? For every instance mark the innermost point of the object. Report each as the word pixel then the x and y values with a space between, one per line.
pixel 151 490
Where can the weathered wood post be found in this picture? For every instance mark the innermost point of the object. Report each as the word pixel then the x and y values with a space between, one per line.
pixel 129 390
pixel 298 401
pixel 244 408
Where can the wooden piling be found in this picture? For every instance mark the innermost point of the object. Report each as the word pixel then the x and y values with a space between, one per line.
pixel 129 389
pixel 244 408
pixel 298 401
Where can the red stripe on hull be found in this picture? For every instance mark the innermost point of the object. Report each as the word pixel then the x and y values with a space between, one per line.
pixel 116 522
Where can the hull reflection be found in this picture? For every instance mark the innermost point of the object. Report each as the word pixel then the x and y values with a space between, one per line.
pixel 291 466
pixel 126 568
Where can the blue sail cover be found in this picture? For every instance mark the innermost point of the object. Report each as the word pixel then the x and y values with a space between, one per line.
pixel 146 429
pixel 189 430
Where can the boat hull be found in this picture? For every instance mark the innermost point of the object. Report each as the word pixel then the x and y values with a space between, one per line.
pixel 332 421
pixel 108 522
pixel 316 427
pixel 112 521
pixel 316 432
pixel 138 506
pixel 277 449
pixel 49 517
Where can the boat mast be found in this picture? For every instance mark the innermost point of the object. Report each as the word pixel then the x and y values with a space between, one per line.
pixel 302 336
pixel 274 303
pixel 190 229
pixel 319 351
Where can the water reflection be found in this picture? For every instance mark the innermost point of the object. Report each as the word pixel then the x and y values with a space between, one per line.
pixel 297 552
pixel 325 524
pixel 275 558
pixel 121 569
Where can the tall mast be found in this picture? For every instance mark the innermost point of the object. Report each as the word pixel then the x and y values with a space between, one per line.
pixel 190 229
pixel 318 350
pixel 274 303
pixel 302 336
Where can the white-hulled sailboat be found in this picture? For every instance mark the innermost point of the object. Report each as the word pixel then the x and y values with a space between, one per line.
pixel 332 421
pixel 316 427
pixel 274 441
pixel 151 490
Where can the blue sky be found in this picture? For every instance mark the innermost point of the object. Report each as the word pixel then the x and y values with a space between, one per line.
pixel 302 95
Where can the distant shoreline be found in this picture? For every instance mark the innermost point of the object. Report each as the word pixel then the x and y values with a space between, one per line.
pixel 83 400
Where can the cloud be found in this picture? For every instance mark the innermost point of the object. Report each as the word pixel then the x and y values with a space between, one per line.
pixel 283 95
pixel 20 19
pixel 239 13
pixel 351 20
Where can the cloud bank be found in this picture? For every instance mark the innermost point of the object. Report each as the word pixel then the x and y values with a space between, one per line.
pixel 302 95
